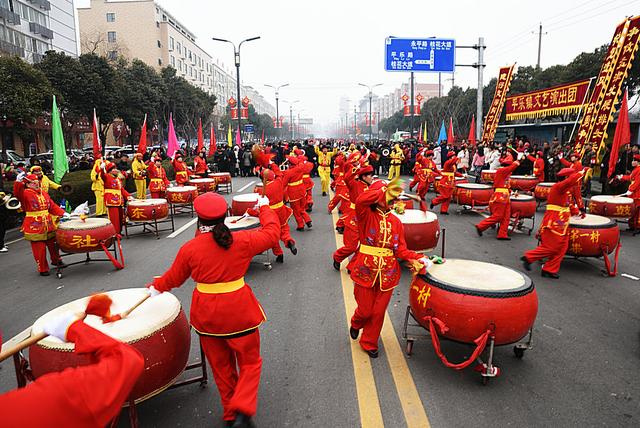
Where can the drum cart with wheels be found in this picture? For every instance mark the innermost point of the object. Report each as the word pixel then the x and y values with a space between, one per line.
pixel 181 208
pixel 151 226
pixel 111 252
pixel 517 223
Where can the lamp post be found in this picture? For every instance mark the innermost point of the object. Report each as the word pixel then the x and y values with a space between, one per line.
pixel 277 88
pixel 236 55
pixel 370 88
pixel 291 103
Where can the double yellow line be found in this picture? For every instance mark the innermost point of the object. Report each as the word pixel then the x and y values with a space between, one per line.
pixel 368 401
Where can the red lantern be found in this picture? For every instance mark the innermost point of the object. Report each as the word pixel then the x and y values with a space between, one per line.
pixel 245 102
pixel 232 102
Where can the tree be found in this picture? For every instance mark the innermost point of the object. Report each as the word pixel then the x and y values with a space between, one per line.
pixel 96 43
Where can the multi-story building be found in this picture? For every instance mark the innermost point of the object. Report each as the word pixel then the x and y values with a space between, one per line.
pixel 391 103
pixel 29 28
pixel 261 105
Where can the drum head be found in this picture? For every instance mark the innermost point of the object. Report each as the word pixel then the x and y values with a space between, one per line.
pixel 521 198
pixel 147 202
pixel 220 174
pixel 149 317
pixel 180 189
pixel 247 197
pixel 591 221
pixel 234 223
pixel 478 279
pixel 546 184
pixel 523 177
pixel 473 186
pixel 202 180
pixel 612 199
pixel 88 223
pixel 416 217
pixel 489 171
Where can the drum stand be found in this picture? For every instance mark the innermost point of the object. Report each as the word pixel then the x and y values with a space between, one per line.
pixel 517 222
pixel 608 271
pixel 228 187
pixel 111 252
pixel 181 208
pixel 150 226
pixel 479 209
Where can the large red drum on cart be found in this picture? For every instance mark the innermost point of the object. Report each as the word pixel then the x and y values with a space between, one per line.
pixel 523 206
pixel 203 185
pixel 525 183
pixel 594 236
pixel 473 194
pixel 421 229
pixel 85 236
pixel 258 188
pixel 241 203
pixel 147 209
pixel 158 329
pixel 488 175
pixel 541 191
pixel 611 206
pixel 181 194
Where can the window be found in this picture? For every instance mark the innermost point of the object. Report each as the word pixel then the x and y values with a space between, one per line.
pixel 179 48
pixel 159 61
pixel 111 36
pixel 171 43
pixel 179 65
pixel 173 61
pixel 112 55
pixel 159 44
pixel 111 17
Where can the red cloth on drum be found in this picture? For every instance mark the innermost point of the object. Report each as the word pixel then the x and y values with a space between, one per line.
pixel 369 315
pixel 116 217
pixel 199 165
pixel 236 365
pixel 538 167
pixel 37 225
pixel 500 204
pixel 206 262
pixel 114 192
pixel 181 170
pixel 85 396
pixel 382 230
pixel 39 250
pixel 159 180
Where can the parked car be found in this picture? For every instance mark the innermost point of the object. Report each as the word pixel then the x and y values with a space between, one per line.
pixel 13 156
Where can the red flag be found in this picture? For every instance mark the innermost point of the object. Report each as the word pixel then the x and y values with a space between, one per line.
pixel 200 137
pixel 262 139
pixel 472 131
pixel 622 135
pixel 142 144
pixel 212 142
pixel 451 138
pixel 97 148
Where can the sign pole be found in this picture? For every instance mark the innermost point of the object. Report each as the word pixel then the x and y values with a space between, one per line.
pixel 479 116
pixel 412 105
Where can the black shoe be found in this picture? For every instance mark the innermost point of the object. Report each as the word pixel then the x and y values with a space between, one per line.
pixel 309 209
pixel 280 259
pixel 243 421
pixel 300 229
pixel 336 265
pixel 546 274
pixel 373 354
pixel 228 423
pixel 431 205
pixel 292 246
pixel 340 230
pixel 324 193
pixel 478 231
pixel 309 225
pixel 444 213
pixel 525 263
pixel 504 239
pixel 354 333
pixel 44 273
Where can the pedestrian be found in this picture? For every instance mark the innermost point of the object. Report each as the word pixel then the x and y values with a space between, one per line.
pixel 478 162
pixel 246 163
pixel 463 155
pixel 139 170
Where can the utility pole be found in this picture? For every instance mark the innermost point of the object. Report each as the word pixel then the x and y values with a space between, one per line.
pixel 480 65
pixel 539 45
pixel 277 89
pixel 355 123
pixel 370 88
pixel 439 85
pixel 412 105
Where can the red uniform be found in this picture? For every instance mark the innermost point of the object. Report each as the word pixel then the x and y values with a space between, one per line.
pixel 634 188
pixel 200 166
pixel 447 184
pixel 159 181
pixel 341 197
pixel 350 240
pixel 375 270
pixel 114 196
pixel 554 239
pixel 576 190
pixel 224 310
pixel 85 396
pixel 297 193
pixel 307 167
pixel 538 167
pixel 500 202
pixel 182 172
pixel 426 175
pixel 39 225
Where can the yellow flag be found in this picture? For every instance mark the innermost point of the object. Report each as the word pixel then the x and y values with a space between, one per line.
pixel 229 136
pixel 424 131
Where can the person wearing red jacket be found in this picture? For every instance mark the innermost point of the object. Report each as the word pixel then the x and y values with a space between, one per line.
pixel 307 167
pixel 181 169
pixel 447 184
pixel 114 195
pixel 39 225
pixel 297 193
pixel 553 232
pixel 576 191
pixel 341 197
pixel 86 396
pixel 538 165
pixel 224 311
pixel 375 270
pixel 634 193
pixel 500 202
pixel 158 179
pixel 425 173
pixel 200 167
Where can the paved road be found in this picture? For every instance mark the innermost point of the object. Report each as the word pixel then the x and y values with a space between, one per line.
pixel 583 370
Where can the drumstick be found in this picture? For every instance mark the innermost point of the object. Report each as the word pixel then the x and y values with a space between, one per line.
pixel 126 313
pixel 98 305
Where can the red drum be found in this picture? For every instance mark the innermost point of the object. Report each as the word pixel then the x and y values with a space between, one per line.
pixel 541 191
pixel 473 194
pixel 458 180
pixel 407 201
pixel 236 223
pixel 221 177
pixel 158 329
pixel 611 206
pixel 258 188
pixel 487 175
pixel 241 203
pixel 436 183
pixel 523 206
pixel 181 194
pixel 525 183
pixel 78 236
pixel 592 236
pixel 204 185
pixel 147 209
pixel 470 297
pixel 421 229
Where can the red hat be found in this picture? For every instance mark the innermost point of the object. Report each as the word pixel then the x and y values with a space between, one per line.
pixel 636 157
pixel 451 154
pixel 576 154
pixel 366 169
pixel 268 175
pixel 339 160
pixel 298 152
pixel 354 156
pixel 540 153
pixel 293 160
pixel 566 172
pixel 429 153
pixel 210 206
pixel 110 166
pixel 31 177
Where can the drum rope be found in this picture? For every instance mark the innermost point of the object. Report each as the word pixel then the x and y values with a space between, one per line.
pixel 116 263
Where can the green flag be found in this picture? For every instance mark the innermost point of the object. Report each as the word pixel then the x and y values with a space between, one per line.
pixel 60 161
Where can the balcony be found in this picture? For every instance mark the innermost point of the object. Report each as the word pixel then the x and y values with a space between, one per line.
pixel 36 28
pixel 11 49
pixel 10 17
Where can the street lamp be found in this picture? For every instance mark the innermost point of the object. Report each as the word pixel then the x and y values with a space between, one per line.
pixel 370 87
pixel 277 88
pixel 236 55
pixel 291 103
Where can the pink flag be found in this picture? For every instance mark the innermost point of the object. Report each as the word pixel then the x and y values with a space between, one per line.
pixel 172 140
pixel 97 148
pixel 238 138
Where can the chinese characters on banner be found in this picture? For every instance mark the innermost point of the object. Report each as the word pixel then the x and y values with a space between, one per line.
pixel 491 121
pixel 244 110
pixel 417 54
pixel 561 99
pixel 601 106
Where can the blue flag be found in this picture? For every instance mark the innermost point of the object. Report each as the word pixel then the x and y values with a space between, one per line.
pixel 443 133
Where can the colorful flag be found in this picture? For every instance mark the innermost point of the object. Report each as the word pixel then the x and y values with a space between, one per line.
pixel 451 138
pixel 420 135
pixel 212 141
pixel 97 147
pixel 142 144
pixel 622 135
pixel 172 140
pixel 262 138
pixel 443 133
pixel 424 131
pixel 238 137
pixel 229 136
pixel 60 161
pixel 472 131
pixel 200 136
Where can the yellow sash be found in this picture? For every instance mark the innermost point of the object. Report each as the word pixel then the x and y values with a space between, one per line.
pixel 221 287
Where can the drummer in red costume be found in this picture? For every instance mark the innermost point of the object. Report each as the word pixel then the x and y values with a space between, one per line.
pixel 426 170
pixel 85 396
pixel 38 225
pixel 224 311
pixel 114 195
pixel 375 270
pixel 634 193
pixel 447 183
pixel 296 192
pixel 307 167
pixel 576 191
pixel 553 232
pixel 538 165
pixel 200 167
pixel 500 202
pixel 341 197
pixel 158 179
pixel 181 169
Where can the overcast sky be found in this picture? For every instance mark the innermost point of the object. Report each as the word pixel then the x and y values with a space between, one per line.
pixel 325 48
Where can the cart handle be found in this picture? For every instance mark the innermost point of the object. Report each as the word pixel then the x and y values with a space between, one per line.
pixel 481 343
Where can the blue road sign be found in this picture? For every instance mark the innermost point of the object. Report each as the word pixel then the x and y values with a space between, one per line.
pixel 420 55
pixel 248 127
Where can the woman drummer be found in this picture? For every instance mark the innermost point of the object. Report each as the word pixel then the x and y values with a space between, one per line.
pixel 224 311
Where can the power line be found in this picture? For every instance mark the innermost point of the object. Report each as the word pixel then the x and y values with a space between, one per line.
pixel 588 17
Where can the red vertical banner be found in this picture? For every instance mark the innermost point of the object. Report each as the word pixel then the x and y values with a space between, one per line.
pixel 499 97
pixel 406 109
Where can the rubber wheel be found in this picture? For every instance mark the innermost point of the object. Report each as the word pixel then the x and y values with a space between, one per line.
pixel 409 348
pixel 269 267
pixel 519 352
pixel 59 275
